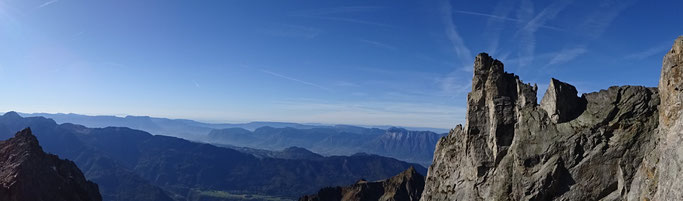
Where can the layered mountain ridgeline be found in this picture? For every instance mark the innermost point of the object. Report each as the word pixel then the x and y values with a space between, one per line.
pixel 411 146
pixel 28 173
pixel 406 186
pixel 615 144
pixel 288 153
pixel 134 165
pixel 183 128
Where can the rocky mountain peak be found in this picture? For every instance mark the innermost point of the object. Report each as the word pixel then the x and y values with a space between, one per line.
pixel 569 147
pixel 410 173
pixel 11 114
pixel 492 105
pixel 28 173
pixel 25 138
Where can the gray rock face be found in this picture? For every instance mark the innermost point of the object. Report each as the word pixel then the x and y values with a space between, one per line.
pixel 561 103
pixel 660 174
pixel 670 166
pixel 566 148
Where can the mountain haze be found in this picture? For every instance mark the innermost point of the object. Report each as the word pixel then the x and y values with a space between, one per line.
pixel 130 164
pixel 400 143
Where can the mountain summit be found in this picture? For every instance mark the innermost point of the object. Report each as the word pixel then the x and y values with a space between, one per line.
pixel 29 174
pixel 622 143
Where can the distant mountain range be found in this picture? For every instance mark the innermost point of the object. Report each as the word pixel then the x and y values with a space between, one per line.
pixel 171 127
pixel 412 146
pixel 400 143
pixel 130 164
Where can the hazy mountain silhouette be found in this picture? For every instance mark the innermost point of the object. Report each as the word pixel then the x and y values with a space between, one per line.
pixel 411 146
pixel 135 165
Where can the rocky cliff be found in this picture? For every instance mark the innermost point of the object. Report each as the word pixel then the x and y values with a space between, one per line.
pixel 406 186
pixel 29 174
pixel 622 143
pixel 661 172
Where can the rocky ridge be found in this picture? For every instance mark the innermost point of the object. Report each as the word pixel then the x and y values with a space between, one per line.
pixel 621 143
pixel 29 174
pixel 406 186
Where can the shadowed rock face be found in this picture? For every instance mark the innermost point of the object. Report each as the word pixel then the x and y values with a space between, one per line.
pixel 406 186
pixel 566 148
pixel 561 103
pixel 29 174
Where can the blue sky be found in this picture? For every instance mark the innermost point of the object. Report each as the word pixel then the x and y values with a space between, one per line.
pixel 404 63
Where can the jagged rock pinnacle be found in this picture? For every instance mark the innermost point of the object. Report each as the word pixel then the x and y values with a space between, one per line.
pixel 28 173
pixel 561 102
pixel 568 148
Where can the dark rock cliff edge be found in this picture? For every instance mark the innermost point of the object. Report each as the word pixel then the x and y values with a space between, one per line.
pixel 29 174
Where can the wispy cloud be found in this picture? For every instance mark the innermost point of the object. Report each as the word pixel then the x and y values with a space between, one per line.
pixel 195 83
pixel 454 84
pixel 593 26
pixel 527 40
pixel 48 3
pixel 503 17
pixel 606 11
pixel 567 55
pixel 457 42
pixel 528 30
pixel 379 44
pixel 294 80
pixel 541 56
pixel 545 15
pixel 495 23
pixel 656 50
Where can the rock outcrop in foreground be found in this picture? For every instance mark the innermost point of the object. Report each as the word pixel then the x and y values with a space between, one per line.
pixel 406 186
pixel 29 174
pixel 622 143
